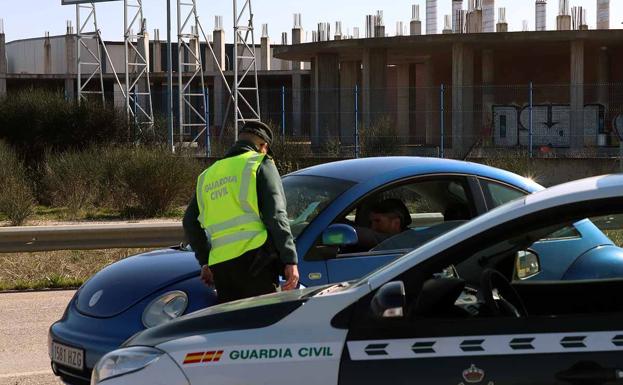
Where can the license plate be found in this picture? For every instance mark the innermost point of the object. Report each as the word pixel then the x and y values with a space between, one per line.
pixel 68 356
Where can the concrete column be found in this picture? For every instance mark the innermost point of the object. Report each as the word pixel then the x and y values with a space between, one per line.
pixel 157 53
pixel 462 98
pixel 297 38
pixel 603 76
pixel 71 71
pixel 488 96
pixel 379 31
pixel 474 22
pixel 577 94
pixel 501 27
pixel 325 100
pixel 297 104
pixel 218 44
pixel 118 98
pixel 47 55
pixel 142 46
pixel 3 65
pixel 432 96
pixel 403 102
pixel 563 23
pixel 374 85
pixel 265 54
pixel 416 27
pixel 349 78
pixel 219 100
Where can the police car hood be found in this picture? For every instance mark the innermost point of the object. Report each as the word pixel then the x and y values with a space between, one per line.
pixel 252 313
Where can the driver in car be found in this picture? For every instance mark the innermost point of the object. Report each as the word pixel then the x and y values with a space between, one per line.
pixel 388 217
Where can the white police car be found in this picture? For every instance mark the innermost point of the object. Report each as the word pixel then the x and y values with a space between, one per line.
pixel 458 310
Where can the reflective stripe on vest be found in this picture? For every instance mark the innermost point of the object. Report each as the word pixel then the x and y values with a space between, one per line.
pixel 228 207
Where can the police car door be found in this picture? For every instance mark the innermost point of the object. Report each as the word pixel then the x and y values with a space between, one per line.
pixel 570 333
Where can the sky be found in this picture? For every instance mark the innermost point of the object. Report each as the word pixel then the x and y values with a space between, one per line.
pixel 32 18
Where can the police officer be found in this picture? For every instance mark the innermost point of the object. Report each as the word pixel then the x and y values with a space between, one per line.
pixel 237 223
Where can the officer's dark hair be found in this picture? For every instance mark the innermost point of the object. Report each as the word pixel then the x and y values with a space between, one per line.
pixel 395 208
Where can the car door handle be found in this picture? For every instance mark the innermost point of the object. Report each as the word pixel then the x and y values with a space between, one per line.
pixel 589 373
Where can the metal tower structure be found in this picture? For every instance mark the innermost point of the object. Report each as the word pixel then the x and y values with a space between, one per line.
pixel 89 56
pixel 190 62
pixel 137 84
pixel 245 88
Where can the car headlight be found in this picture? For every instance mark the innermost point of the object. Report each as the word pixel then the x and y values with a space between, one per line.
pixel 165 308
pixel 124 361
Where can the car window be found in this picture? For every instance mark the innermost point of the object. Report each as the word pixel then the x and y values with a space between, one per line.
pixel 308 195
pixel 498 194
pixel 434 205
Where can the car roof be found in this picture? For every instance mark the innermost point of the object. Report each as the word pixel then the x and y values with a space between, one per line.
pixel 364 169
pixel 596 188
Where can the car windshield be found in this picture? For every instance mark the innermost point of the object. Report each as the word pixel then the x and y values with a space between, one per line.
pixel 308 195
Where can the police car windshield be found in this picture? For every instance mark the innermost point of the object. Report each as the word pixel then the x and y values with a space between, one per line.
pixel 308 195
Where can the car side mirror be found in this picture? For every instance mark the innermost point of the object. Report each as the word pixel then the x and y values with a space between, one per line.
pixel 389 300
pixel 527 264
pixel 340 235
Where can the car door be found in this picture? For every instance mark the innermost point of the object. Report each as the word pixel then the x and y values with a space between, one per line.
pixel 436 204
pixel 570 333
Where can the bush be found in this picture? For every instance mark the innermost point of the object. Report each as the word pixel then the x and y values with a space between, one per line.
pixel 380 139
pixel 37 121
pixel 16 197
pixel 156 180
pixel 73 180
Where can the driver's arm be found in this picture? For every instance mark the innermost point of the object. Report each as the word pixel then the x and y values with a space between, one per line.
pixel 272 205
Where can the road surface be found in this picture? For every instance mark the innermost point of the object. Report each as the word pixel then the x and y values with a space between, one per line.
pixel 24 322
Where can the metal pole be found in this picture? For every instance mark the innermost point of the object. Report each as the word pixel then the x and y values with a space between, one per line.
pixel 531 128
pixel 78 37
pixel 356 121
pixel 235 56
pixel 442 122
pixel 283 112
pixel 207 117
pixel 127 67
pixel 169 79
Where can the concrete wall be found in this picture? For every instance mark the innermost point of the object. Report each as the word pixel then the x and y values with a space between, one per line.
pixel 28 56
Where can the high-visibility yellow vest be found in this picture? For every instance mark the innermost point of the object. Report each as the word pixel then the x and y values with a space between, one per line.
pixel 228 208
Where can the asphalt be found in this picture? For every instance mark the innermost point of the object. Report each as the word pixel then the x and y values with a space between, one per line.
pixel 24 322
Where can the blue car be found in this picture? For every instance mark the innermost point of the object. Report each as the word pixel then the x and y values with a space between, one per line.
pixel 329 207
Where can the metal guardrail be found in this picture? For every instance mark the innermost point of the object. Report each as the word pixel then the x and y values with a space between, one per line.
pixel 90 237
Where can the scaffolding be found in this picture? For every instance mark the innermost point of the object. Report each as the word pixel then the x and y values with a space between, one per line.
pixel 245 87
pixel 137 83
pixel 89 56
pixel 192 101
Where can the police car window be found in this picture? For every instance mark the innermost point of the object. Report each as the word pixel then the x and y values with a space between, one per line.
pixel 498 194
pixel 308 195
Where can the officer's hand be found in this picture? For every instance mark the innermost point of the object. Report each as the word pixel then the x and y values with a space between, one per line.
pixel 206 275
pixel 292 277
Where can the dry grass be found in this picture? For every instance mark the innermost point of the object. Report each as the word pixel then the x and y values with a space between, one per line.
pixel 55 269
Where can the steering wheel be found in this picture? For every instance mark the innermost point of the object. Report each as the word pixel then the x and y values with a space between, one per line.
pixel 509 302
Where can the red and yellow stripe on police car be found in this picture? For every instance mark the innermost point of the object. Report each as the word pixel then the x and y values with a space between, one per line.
pixel 203 357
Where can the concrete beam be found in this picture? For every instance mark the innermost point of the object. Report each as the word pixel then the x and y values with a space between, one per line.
pixel 349 79
pixel 3 65
pixel 577 95
pixel 374 85
pixel 325 100
pixel 463 135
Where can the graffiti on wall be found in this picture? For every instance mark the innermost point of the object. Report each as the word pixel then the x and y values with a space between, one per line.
pixel 551 124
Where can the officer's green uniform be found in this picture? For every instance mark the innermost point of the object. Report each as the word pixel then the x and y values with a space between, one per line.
pixel 238 225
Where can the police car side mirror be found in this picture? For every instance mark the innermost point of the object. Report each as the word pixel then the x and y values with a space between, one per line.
pixel 527 264
pixel 340 235
pixel 389 300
